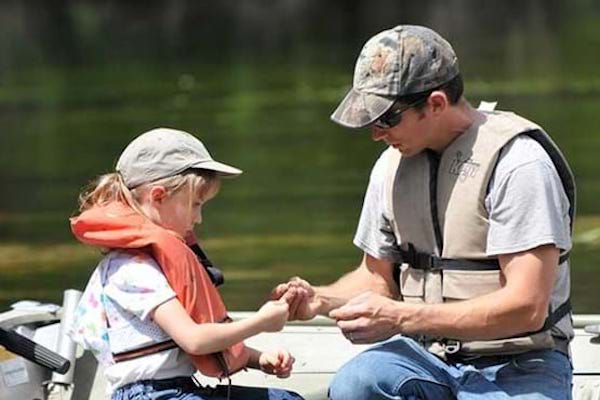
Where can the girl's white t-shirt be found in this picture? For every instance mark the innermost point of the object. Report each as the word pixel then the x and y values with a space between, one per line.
pixel 133 286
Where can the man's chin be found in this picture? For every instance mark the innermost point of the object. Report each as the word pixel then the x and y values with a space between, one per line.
pixel 407 152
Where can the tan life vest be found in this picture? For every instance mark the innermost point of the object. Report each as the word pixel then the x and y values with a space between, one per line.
pixel 441 224
pixel 116 225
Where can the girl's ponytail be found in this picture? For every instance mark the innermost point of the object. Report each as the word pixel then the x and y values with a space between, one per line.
pixel 105 189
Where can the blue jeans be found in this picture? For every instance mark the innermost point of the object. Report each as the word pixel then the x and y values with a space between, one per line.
pixel 184 388
pixel 401 369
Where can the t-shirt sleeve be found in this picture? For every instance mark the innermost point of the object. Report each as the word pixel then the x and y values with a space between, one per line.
pixel 374 234
pixel 136 283
pixel 527 208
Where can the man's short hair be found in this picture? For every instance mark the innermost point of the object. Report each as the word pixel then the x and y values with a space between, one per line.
pixel 453 88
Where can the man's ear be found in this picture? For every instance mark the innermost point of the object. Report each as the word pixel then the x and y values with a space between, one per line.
pixel 438 101
pixel 157 194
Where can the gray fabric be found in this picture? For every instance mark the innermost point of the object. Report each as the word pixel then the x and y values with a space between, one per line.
pixel 375 235
pixel 528 207
pixel 526 203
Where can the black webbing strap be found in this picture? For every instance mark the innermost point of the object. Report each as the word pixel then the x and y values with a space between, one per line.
pixel 552 318
pixel 564 257
pixel 425 261
pixel 556 315
pixel 215 274
pixel 434 163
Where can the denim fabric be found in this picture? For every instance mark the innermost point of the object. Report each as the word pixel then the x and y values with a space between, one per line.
pixel 184 388
pixel 401 369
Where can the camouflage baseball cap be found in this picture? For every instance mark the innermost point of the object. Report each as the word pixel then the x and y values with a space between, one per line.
pixel 403 60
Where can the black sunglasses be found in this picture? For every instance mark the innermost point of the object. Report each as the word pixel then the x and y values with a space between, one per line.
pixel 393 116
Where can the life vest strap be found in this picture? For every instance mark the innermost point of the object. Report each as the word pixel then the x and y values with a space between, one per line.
pixel 214 273
pixel 429 262
pixel 425 261
pixel 556 315
pixel 144 351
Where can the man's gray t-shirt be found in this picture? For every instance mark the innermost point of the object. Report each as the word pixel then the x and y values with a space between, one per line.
pixel 526 203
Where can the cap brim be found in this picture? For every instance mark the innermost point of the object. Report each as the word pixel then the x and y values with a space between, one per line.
pixel 220 168
pixel 358 110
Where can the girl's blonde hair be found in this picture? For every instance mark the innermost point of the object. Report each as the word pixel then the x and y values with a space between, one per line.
pixel 107 188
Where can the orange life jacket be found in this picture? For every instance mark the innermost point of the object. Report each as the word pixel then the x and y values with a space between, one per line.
pixel 117 225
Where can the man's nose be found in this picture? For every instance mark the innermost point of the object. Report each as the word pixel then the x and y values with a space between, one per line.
pixel 377 134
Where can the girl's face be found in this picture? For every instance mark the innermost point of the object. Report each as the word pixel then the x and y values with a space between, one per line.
pixel 178 211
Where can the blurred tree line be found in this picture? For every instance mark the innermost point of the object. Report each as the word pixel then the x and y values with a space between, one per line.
pixel 81 32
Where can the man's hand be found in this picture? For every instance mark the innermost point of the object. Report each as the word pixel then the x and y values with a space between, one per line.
pixel 300 296
pixel 370 317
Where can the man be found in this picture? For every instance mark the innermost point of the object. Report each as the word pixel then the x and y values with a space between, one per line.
pixel 465 228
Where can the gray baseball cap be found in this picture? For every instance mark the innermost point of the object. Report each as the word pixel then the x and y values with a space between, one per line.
pixel 403 60
pixel 163 152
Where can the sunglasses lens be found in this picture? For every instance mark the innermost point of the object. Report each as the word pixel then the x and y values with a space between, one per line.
pixel 381 123
pixel 389 119
pixel 393 116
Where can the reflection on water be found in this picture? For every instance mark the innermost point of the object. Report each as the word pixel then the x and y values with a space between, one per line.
pixel 257 81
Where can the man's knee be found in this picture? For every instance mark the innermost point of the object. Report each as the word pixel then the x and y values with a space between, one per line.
pixel 389 370
pixel 371 374
pixel 352 382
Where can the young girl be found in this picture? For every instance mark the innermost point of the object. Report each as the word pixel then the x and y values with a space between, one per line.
pixel 150 312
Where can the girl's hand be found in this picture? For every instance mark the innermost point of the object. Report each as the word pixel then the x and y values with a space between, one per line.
pixel 278 363
pixel 301 297
pixel 273 315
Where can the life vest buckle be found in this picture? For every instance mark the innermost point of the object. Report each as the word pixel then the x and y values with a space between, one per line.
pixel 451 346
pixel 417 259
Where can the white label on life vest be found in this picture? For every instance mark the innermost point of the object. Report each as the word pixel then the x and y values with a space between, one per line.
pixel 14 372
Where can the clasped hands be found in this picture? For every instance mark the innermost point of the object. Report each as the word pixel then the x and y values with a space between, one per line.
pixel 366 318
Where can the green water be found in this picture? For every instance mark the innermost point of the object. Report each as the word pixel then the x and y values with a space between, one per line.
pixel 259 95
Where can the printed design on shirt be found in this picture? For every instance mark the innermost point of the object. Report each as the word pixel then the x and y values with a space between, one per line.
pixel 136 285
pixel 463 167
